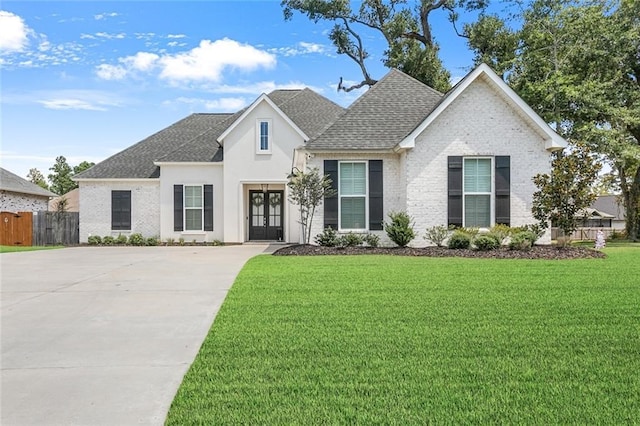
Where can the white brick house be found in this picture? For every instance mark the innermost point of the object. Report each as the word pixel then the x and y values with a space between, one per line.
pixel 465 158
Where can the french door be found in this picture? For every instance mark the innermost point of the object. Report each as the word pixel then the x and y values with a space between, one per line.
pixel 265 215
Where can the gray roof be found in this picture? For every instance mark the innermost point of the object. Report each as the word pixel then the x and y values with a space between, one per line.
pixel 14 183
pixel 137 160
pixel 611 204
pixel 194 138
pixel 382 117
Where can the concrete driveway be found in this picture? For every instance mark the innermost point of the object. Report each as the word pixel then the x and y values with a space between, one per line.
pixel 104 335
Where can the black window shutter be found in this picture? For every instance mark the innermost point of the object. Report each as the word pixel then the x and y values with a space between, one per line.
pixel 454 182
pixel 208 207
pixel 375 195
pixel 331 203
pixel 120 210
pixel 503 190
pixel 177 208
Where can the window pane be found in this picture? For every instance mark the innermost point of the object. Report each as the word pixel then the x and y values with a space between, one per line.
pixel 353 178
pixel 264 135
pixel 477 211
pixel 193 196
pixel 477 175
pixel 193 220
pixel 352 214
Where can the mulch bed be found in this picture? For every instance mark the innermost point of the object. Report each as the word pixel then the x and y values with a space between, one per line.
pixel 536 252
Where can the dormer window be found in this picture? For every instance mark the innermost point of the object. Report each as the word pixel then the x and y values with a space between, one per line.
pixel 263 136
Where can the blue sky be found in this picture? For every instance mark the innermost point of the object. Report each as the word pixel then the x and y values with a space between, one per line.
pixel 86 79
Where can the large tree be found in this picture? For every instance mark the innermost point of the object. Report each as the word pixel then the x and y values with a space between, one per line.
pixel 36 176
pixel 578 66
pixel 60 179
pixel 404 26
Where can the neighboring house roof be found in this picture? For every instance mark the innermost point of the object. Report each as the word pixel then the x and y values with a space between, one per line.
pixel 591 213
pixel 194 138
pixel 72 201
pixel 483 71
pixel 382 117
pixel 14 183
pixel 610 204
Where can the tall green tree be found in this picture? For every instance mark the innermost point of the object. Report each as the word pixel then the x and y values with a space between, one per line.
pixel 577 65
pixel 82 167
pixel 567 190
pixel 60 179
pixel 36 176
pixel 405 27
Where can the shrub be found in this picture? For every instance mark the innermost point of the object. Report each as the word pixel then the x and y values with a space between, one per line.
pixel 471 232
pixel 400 229
pixel 437 235
pixel 501 232
pixel 535 231
pixel 486 242
pixel 328 238
pixel 181 241
pixel 618 234
pixel 152 241
pixel 372 240
pixel 170 241
pixel 94 240
pixel 216 243
pixel 108 240
pixel 350 240
pixel 459 240
pixel 121 240
pixel 522 240
pixel 136 239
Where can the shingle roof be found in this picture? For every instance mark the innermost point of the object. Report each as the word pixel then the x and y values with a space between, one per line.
pixel 137 160
pixel 610 204
pixel 14 183
pixel 311 112
pixel 382 117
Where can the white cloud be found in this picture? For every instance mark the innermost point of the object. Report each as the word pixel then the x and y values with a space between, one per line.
pixel 111 72
pixel 71 104
pixel 89 100
pixel 218 105
pixel 207 61
pixel 301 48
pixel 13 32
pixel 204 63
pixel 176 36
pixel 102 16
pixel 261 87
pixel 108 36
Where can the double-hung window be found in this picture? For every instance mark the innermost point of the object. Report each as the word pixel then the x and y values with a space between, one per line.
pixel 121 210
pixel 193 208
pixel 263 136
pixel 477 192
pixel 352 191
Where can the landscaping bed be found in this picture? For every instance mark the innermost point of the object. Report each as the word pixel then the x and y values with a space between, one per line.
pixel 536 252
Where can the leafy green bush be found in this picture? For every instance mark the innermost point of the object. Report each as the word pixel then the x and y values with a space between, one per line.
pixel 350 240
pixel 471 232
pixel 372 240
pixel 170 241
pixel 328 238
pixel 216 243
pixel 535 232
pixel 522 240
pixel 486 242
pixel 94 240
pixel 121 240
pixel 136 240
pixel 437 235
pixel 152 241
pixel 459 240
pixel 400 229
pixel 618 234
pixel 501 232
pixel 181 241
pixel 108 240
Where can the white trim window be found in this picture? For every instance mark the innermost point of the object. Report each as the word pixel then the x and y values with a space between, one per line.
pixel 264 131
pixel 352 195
pixel 478 192
pixel 193 208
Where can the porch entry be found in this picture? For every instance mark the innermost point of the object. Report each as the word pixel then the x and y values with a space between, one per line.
pixel 265 215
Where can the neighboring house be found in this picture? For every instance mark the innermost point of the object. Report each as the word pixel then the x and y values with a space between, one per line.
pixel 20 195
pixel 466 158
pixel 69 202
pixel 611 205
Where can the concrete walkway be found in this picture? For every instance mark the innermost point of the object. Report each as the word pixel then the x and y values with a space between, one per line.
pixel 104 335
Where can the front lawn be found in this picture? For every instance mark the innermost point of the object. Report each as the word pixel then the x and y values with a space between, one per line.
pixel 406 340
pixel 11 249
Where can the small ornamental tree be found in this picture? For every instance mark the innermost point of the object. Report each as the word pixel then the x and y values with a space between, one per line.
pixel 567 190
pixel 307 190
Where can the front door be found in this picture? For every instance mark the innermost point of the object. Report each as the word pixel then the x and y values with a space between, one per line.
pixel 265 215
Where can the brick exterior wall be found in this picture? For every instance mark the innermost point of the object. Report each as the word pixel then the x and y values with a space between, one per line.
pixel 17 202
pixel 95 208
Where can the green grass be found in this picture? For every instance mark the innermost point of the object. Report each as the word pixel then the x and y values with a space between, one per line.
pixel 401 340
pixel 11 249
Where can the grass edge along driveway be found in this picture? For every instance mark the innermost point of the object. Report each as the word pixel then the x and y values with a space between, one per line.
pixel 373 339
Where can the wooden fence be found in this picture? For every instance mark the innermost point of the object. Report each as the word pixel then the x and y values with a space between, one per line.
pixel 585 233
pixel 56 228
pixel 16 228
